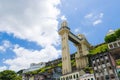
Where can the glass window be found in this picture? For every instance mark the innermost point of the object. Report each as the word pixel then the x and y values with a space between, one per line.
pixel 77 75
pixel 102 78
pixel 96 57
pixel 111 46
pixel 98 63
pixel 74 76
pixel 91 78
pixel 105 54
pixel 107 77
pixel 97 78
pixel 69 77
pixel 110 67
pixel 102 62
pixel 107 61
pixel 112 76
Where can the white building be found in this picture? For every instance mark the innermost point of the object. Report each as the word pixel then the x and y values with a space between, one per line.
pixel 87 77
pixel 72 76
pixel 35 66
pixel 110 32
pixel 114 44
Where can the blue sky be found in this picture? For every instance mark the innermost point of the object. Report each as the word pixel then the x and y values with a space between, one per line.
pixel 28 29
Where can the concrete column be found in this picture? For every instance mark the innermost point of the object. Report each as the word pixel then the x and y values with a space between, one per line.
pixel 66 61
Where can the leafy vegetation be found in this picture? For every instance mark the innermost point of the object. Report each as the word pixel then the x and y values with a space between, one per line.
pixel 88 70
pixel 73 62
pixel 45 69
pixel 112 37
pixel 60 64
pixel 9 75
pixel 117 32
pixel 49 68
pixel 99 49
pixel 118 62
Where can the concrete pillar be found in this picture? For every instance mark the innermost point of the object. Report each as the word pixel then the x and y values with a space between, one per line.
pixel 66 61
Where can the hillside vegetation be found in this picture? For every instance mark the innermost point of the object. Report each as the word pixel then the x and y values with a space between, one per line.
pixel 99 49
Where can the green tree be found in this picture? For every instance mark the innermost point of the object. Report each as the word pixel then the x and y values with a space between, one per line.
pixel 110 38
pixel 9 75
pixel 117 33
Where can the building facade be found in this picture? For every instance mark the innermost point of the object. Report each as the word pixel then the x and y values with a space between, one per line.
pixel 87 77
pixel 118 71
pixel 114 44
pixel 35 77
pixel 104 66
pixel 54 74
pixel 35 66
pixel 114 48
pixel 73 75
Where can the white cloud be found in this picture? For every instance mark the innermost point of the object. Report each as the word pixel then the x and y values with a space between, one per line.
pixel 2 48
pixel 33 20
pixel 101 15
pixel 77 30
pixel 5 44
pixel 97 22
pixel 24 57
pixel 63 18
pixel 2 68
pixel 90 15
pixel 94 18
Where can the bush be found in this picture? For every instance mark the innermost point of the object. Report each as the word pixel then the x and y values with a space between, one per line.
pixel 118 62
pixel 99 49
pixel 9 75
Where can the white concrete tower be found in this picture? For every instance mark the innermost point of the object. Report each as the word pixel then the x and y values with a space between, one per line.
pixel 66 61
pixel 82 52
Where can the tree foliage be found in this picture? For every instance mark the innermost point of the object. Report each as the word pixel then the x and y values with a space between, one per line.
pixel 117 32
pixel 112 37
pixel 9 75
pixel 118 62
